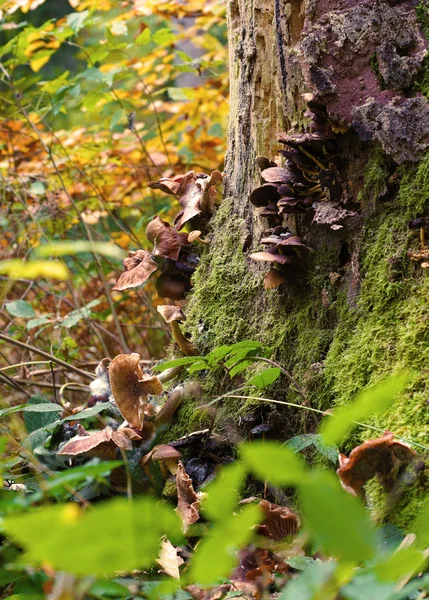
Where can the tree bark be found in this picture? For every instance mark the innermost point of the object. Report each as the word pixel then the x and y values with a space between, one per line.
pixel 356 309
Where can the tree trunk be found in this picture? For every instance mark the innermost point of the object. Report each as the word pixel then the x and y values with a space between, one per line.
pixel 355 310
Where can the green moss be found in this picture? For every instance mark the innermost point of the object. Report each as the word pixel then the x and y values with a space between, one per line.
pixel 332 345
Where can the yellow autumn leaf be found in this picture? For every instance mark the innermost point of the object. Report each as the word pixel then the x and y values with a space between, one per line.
pixel 18 269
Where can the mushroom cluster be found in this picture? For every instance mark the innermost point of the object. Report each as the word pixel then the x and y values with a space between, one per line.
pixel 309 175
pixel 283 250
pixel 172 253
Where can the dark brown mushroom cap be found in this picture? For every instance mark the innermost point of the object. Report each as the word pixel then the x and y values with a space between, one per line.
pixel 173 286
pixel 293 242
pixel 297 158
pixel 374 457
pixel 139 266
pixel 279 521
pixel 264 163
pixel 315 141
pixel 272 257
pixel 269 211
pixel 130 387
pixel 166 239
pixel 276 175
pixel 171 313
pixel 264 195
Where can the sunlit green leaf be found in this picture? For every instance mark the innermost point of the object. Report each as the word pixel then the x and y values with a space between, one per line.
pixel 265 378
pixel 337 520
pixel 223 493
pixel 315 583
pixel 178 362
pixel 217 553
pixel 269 461
pixel 372 401
pixel 76 475
pixel 406 561
pixel 115 535
pixel 163 36
pixel 143 38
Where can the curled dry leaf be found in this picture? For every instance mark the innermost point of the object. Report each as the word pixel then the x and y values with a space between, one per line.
pixel 168 559
pixel 85 443
pixel 379 457
pixel 166 239
pixel 139 266
pixel 130 387
pixel 188 505
pixel 279 521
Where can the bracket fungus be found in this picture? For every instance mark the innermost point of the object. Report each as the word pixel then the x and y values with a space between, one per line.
pixel 102 443
pixel 282 249
pixel 380 457
pixel 130 388
pixel 138 266
pixel 195 192
pixel 173 315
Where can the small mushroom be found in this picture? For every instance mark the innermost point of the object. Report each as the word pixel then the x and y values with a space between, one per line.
pixel 379 457
pixel 195 236
pixel 130 387
pixel 279 521
pixel 174 315
pixel 100 387
pixel 166 456
pixel 139 266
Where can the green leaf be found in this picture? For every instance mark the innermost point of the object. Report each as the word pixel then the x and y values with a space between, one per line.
pixel 269 461
pixel 223 493
pixel 185 57
pixel 20 308
pixel 372 401
pixel 181 94
pixel 315 583
pixel 336 519
pixel 37 188
pixel 265 378
pixel 108 589
pixel 300 442
pixel 198 366
pixel 421 526
pixel 178 362
pixel 77 315
pixel 37 408
pixel 163 36
pixel 76 20
pixel 367 586
pixel 42 320
pixel 34 269
pixel 114 535
pixel 77 247
pixel 143 38
pixel 36 420
pixel 89 412
pixel 405 561
pixel 217 553
pixel 77 475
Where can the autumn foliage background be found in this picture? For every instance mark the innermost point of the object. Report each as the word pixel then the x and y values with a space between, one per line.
pixel 98 98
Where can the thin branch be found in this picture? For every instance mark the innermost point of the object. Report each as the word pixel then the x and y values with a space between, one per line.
pixel 54 359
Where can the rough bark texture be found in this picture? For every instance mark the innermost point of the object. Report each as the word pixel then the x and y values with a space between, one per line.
pixel 357 310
